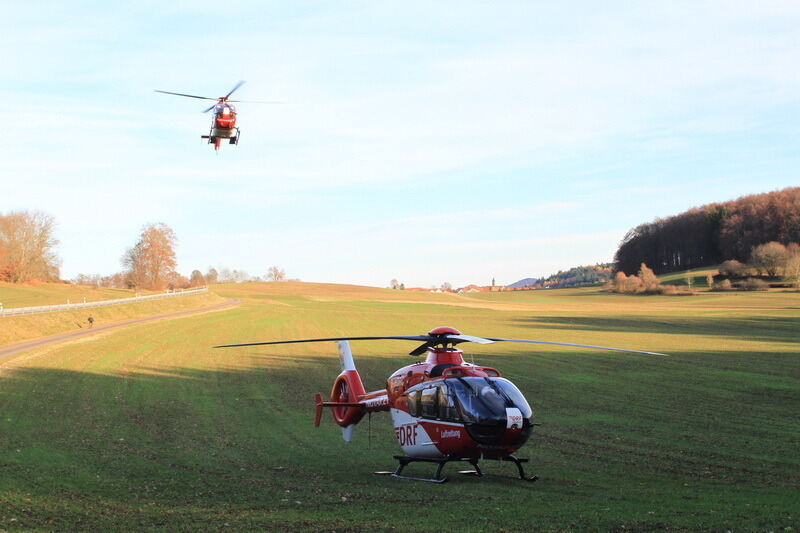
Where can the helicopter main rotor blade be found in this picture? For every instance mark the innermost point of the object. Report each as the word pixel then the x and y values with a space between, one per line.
pixel 187 95
pixel 434 340
pixel 402 338
pixel 257 101
pixel 210 108
pixel 470 338
pixel 578 346
pixel 234 88
pixel 429 341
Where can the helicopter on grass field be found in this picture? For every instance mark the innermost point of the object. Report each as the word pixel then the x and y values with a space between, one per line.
pixel 223 125
pixel 444 409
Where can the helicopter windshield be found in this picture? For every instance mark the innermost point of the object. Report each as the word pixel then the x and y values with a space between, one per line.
pixel 220 108
pixel 485 400
pixel 469 399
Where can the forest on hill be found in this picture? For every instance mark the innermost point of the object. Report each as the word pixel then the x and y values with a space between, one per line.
pixel 710 234
pixel 574 277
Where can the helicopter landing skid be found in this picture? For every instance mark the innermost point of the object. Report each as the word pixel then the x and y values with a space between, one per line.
pixel 517 461
pixel 437 478
pixel 405 461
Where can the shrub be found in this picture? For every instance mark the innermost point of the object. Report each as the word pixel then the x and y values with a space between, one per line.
pixel 668 290
pixel 724 285
pixel 649 281
pixel 732 268
pixel 627 284
pixel 646 282
pixel 754 284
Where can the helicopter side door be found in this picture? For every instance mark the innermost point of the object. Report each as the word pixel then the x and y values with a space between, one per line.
pixel 432 427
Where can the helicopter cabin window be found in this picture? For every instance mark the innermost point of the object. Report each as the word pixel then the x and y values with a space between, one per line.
pixel 414 403
pixel 428 402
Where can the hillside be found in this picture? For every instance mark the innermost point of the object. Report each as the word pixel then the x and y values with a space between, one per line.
pixel 38 293
pixel 712 233
pixel 18 328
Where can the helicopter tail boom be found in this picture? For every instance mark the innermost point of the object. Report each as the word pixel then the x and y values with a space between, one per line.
pixel 321 404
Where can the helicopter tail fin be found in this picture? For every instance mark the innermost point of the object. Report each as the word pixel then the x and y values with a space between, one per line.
pixel 346 357
pixel 347 391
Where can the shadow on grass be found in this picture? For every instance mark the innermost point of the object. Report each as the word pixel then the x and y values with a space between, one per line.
pixel 180 448
pixel 196 449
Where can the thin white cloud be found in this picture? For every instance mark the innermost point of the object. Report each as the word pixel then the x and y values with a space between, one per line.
pixel 487 122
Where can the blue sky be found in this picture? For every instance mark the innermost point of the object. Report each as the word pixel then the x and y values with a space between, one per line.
pixel 422 141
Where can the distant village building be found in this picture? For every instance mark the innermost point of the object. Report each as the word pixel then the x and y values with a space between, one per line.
pixel 461 290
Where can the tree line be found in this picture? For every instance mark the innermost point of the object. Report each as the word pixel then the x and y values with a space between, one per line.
pixel 27 253
pixel 579 276
pixel 710 234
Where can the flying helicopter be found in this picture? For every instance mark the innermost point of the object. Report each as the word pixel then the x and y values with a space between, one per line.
pixel 223 125
pixel 443 409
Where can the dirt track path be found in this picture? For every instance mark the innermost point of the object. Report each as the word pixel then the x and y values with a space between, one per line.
pixel 12 349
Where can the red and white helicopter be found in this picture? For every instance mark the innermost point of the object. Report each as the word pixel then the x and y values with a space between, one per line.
pixel 223 125
pixel 444 409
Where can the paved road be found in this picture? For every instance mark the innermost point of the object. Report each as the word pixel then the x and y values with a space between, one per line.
pixel 8 351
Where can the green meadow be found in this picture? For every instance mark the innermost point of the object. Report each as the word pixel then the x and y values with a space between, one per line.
pixel 150 428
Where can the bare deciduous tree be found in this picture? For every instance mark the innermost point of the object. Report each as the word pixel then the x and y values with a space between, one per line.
pixel 732 268
pixel 240 276
pixel 197 278
pixel 226 275
pixel 151 262
pixel 791 269
pixel 769 257
pixel 275 273
pixel 26 247
pixel 650 282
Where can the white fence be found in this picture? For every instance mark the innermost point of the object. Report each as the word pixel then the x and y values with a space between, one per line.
pixel 101 303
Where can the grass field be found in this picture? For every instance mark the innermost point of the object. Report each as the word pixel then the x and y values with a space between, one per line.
pixel 19 328
pixel 32 294
pixel 150 428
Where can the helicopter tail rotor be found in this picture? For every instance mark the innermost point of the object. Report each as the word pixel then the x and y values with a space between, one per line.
pixel 347 395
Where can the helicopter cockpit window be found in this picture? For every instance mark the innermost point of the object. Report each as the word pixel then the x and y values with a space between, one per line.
pixel 428 402
pixel 224 109
pixel 485 400
pixel 447 405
